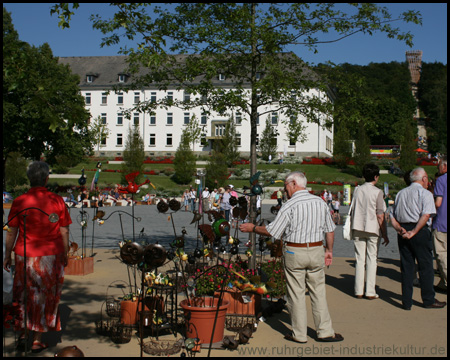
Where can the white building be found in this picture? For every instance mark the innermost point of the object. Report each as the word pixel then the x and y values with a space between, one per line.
pixel 161 129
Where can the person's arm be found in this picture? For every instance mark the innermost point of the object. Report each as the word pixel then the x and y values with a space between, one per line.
pixel 329 239
pixel 10 240
pixel 382 222
pixel 65 238
pixel 249 227
pixel 438 201
pixel 396 225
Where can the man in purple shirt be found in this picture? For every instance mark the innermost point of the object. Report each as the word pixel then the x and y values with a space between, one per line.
pixel 440 224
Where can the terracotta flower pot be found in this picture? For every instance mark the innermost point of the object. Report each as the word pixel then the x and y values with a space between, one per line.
pixel 201 320
pixel 129 309
pixel 237 305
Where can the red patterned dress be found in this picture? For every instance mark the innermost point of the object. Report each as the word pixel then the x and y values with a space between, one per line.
pixel 44 258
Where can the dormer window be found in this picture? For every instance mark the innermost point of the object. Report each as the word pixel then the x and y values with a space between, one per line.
pixel 122 78
pixel 89 78
pixel 221 77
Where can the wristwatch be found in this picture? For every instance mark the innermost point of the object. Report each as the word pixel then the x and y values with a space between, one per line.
pixel 254 227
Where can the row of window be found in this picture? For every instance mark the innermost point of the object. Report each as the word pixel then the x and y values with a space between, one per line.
pixel 137 97
pixel 186 119
pixel 169 140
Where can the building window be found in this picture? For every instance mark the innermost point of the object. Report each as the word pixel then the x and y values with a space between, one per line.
pixel 153 97
pixel 104 99
pixel 291 142
pixel 219 130
pixel 257 139
pixel 257 119
pixel 119 119
pixel 293 96
pixel 137 98
pixel 203 141
pixel 87 99
pixel 169 140
pixel 329 144
pixel 120 98
pixel 170 96
pixel 103 117
pixel 186 118
pixel 203 119
pixel 238 118
pixel 187 96
pixel 119 140
pixel 152 140
pixel 136 119
pixel 169 119
pixel 103 141
pixel 238 139
pixel 89 78
pixel 221 77
pixel 274 118
pixel 152 118
pixel 258 76
pixel 122 78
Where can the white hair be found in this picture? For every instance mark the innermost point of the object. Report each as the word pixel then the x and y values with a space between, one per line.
pixel 298 177
pixel 417 174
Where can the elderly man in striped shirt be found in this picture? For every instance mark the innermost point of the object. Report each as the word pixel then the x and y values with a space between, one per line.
pixel 303 223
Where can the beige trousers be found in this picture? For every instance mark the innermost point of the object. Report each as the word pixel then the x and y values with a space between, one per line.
pixel 366 254
pixel 440 248
pixel 304 267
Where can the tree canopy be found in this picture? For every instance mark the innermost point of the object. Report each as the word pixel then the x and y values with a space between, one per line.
pixel 43 112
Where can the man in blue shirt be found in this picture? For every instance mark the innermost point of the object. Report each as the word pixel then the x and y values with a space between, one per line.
pixel 440 224
pixel 413 209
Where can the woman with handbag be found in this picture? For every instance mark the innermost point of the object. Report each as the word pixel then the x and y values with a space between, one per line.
pixel 367 224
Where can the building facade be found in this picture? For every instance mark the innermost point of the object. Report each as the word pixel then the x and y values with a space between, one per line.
pixel 161 129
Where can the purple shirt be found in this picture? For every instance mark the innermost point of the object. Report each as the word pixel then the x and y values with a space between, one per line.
pixel 440 190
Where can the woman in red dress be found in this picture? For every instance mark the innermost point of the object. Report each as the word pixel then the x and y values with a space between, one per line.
pixel 47 245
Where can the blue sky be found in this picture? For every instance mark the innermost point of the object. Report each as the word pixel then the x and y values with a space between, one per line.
pixel 36 26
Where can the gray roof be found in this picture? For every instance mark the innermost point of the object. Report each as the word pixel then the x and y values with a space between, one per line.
pixel 106 71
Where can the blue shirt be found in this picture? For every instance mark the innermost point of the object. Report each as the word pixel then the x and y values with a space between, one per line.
pixel 440 190
pixel 413 202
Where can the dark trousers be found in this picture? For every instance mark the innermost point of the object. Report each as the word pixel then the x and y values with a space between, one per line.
pixel 417 248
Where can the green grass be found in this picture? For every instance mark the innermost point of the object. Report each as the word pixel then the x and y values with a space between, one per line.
pixel 317 173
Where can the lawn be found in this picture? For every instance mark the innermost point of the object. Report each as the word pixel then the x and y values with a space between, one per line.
pixel 163 183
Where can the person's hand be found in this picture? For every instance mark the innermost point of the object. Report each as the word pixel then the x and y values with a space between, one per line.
pixel 328 257
pixel 385 241
pixel 66 259
pixel 246 227
pixel 408 234
pixel 7 264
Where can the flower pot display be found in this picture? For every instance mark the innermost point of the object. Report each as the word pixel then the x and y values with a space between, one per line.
pixel 201 317
pixel 251 305
pixel 129 309
pixel 79 266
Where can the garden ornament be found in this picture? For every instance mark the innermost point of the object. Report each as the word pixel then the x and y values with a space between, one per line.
pixel 131 253
pixel 132 187
pixel 155 255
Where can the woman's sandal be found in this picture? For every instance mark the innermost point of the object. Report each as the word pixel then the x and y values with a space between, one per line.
pixel 20 346
pixel 40 346
pixel 21 341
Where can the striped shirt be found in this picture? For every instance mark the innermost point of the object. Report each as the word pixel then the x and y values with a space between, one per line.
pixel 413 202
pixel 305 218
